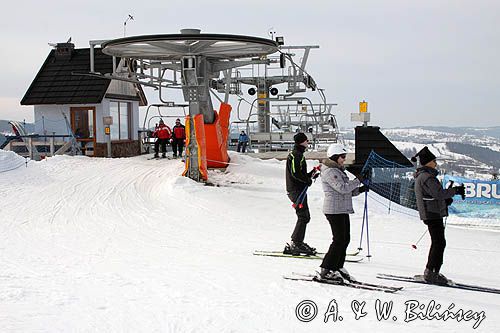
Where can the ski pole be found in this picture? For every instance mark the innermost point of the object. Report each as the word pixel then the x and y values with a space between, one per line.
pixel 302 195
pixel 414 246
pixel 367 233
pixel 300 198
pixel 362 228
pixel 301 203
pixel 365 215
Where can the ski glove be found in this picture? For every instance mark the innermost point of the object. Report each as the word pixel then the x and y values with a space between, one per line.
pixel 314 173
pixel 460 190
pixel 309 182
pixel 363 188
pixel 360 177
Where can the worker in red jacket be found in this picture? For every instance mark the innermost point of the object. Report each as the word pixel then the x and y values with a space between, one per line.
pixel 163 134
pixel 178 137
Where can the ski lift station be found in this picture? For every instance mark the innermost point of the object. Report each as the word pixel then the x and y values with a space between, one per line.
pixel 87 100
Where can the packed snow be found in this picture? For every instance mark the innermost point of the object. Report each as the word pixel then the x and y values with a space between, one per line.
pixel 10 160
pixel 129 245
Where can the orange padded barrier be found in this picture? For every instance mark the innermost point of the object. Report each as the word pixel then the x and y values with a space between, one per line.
pixel 216 138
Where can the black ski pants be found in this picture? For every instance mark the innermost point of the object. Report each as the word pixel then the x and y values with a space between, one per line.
pixel 438 244
pixel 177 144
pixel 163 143
pixel 335 257
pixel 303 217
pixel 242 146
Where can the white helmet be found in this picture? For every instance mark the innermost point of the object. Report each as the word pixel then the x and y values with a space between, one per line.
pixel 336 149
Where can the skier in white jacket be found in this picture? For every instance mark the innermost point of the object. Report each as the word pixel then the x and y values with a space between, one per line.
pixel 337 206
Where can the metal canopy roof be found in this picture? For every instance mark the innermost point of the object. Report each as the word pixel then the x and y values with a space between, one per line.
pixel 176 46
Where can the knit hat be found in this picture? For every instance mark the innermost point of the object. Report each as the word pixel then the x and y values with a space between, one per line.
pixel 425 156
pixel 299 138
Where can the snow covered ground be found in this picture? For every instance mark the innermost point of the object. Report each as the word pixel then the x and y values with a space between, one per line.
pixel 128 245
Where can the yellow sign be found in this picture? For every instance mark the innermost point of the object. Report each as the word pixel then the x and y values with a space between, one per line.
pixel 264 95
pixel 107 130
pixel 363 107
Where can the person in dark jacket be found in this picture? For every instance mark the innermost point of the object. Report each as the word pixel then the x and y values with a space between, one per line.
pixel 242 142
pixel 432 203
pixel 178 137
pixel 339 190
pixel 297 181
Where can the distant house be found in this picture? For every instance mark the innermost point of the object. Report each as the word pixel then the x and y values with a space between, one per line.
pixel 85 100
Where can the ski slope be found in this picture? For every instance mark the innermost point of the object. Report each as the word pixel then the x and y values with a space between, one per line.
pixel 128 245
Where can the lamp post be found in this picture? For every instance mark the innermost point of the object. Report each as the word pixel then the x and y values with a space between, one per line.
pixel 108 121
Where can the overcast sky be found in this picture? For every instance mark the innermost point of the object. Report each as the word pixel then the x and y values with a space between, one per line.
pixel 415 62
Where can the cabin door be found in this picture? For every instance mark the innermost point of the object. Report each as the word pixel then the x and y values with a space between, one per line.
pixel 83 126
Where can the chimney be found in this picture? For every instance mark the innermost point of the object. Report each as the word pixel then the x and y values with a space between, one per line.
pixel 190 31
pixel 64 50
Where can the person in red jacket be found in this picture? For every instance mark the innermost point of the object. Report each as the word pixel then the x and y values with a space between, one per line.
pixel 163 134
pixel 178 137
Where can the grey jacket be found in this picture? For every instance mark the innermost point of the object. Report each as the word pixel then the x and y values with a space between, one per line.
pixel 430 194
pixel 338 189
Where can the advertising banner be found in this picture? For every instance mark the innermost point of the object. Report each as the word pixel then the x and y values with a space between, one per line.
pixel 482 197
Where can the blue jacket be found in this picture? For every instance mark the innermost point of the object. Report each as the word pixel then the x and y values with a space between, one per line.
pixel 243 138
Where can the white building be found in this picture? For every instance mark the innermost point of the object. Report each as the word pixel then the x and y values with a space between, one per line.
pixel 58 92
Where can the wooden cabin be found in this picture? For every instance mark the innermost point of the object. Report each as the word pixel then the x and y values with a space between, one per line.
pixel 69 103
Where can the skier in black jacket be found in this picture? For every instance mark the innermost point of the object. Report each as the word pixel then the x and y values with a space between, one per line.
pixel 432 203
pixel 297 180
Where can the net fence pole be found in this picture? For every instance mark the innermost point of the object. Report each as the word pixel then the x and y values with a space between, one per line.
pixel 367 233
pixel 362 226
pixel 390 191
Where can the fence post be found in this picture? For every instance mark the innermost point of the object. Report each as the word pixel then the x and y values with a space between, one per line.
pixel 52 146
pixel 30 147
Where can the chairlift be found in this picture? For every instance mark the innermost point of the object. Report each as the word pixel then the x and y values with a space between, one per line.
pixel 147 139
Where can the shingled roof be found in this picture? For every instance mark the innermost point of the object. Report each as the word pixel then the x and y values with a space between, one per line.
pixel 55 84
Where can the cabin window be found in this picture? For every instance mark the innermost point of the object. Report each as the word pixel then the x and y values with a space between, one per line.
pixel 120 129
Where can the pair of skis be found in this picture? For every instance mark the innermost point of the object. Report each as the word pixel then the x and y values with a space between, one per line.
pixel 159 158
pixel 344 283
pixel 451 284
pixel 350 257
pixel 389 289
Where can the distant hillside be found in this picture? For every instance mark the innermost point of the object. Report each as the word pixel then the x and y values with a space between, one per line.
pixel 476 131
pixel 463 150
pixel 484 155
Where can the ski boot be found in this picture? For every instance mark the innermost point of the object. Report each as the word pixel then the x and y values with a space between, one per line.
pixel 434 277
pixel 333 276
pixel 291 249
pixel 304 248
pixel 345 274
